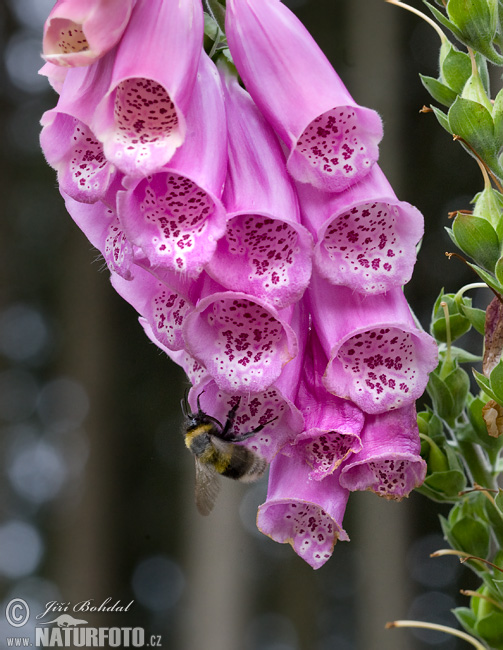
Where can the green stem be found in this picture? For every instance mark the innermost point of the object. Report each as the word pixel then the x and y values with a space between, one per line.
pixel 475 462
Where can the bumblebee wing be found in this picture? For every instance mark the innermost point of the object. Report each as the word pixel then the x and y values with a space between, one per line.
pixel 207 487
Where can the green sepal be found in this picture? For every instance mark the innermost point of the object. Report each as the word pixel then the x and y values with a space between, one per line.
pixel 442 118
pixel 490 628
pixel 488 205
pixel 495 518
pixel 471 536
pixel 477 317
pixel 476 21
pixel 218 9
pixel 439 91
pixel 430 424
pixel 445 21
pixel 473 123
pixel 443 486
pixel 467 618
pixel 498 270
pixel 489 279
pixel 455 67
pixel 496 380
pixel 448 394
pixel 458 323
pixel 484 384
pixel 475 91
pixel 477 238
pixel 463 356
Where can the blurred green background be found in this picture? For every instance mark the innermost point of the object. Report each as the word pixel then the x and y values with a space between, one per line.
pixel 96 487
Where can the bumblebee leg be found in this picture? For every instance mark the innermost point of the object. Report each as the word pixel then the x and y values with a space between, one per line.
pixel 244 436
pixel 230 420
pixel 198 402
pixel 184 403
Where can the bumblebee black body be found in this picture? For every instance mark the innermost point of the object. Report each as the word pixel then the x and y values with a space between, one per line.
pixel 216 453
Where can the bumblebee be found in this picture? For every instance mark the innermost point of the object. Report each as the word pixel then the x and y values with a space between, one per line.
pixel 216 452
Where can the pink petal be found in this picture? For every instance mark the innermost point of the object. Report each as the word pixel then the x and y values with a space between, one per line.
pixel 378 358
pixel 55 74
pixel 142 119
pixel 389 463
pixel 366 238
pixel 68 142
pixel 304 513
pixel 332 425
pixel 243 341
pixel 78 32
pixel 175 215
pixel 164 304
pixel 265 251
pixel 332 141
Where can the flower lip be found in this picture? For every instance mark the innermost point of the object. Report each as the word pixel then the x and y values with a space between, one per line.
pixel 242 340
pixel 304 513
pixel 378 358
pixel 389 463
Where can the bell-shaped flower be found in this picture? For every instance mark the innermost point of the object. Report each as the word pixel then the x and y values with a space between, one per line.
pixel 332 141
pixel 101 226
pixel 243 341
pixel 175 216
pixel 142 118
pixel 79 32
pixel 304 513
pixel 332 425
pixel 68 141
pixel 378 358
pixel 265 252
pixel 366 237
pixel 389 463
pixel 165 303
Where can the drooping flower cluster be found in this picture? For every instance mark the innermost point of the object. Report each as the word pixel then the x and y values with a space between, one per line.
pixel 255 235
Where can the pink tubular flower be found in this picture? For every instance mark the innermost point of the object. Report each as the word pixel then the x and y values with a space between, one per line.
pixel 69 144
pixel 241 340
pixel 165 303
pixel 332 141
pixel 304 513
pixel 142 119
pixel 55 74
pixel 378 358
pixel 389 463
pixel 78 32
pixel 265 251
pixel 366 237
pixel 175 216
pixel 332 425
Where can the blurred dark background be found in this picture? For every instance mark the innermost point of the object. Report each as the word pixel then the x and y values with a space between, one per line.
pixel 96 487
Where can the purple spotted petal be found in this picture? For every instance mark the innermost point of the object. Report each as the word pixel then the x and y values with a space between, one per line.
pixel 69 144
pixel 304 513
pixel 101 226
pixel 141 120
pixel 78 32
pixel 265 251
pixel 378 358
pixel 243 341
pixel 165 305
pixel 389 463
pixel 366 237
pixel 332 425
pixel 332 141
pixel 175 215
